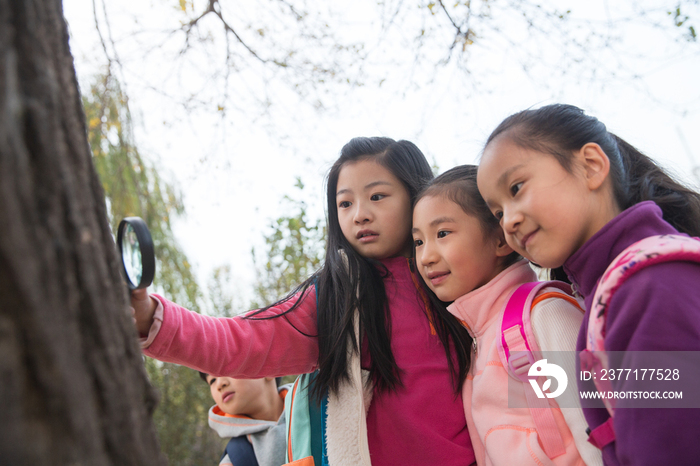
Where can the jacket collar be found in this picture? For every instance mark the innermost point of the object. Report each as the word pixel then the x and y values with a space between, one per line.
pixel 588 264
pixel 480 308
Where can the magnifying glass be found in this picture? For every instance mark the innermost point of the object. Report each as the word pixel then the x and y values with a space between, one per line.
pixel 136 249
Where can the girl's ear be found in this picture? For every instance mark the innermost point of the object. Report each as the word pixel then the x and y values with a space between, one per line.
pixel 596 165
pixel 502 248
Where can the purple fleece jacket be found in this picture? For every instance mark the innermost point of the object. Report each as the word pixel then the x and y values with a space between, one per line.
pixel 656 309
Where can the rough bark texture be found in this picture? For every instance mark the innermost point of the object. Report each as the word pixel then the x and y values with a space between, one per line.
pixel 72 385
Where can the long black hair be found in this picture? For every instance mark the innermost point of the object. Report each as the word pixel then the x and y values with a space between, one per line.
pixel 561 130
pixel 348 281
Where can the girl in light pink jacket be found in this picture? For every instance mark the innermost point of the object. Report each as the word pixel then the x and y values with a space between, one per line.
pixel 463 258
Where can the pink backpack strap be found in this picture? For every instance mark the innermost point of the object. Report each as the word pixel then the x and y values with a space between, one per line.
pixel 519 348
pixel 649 251
pixel 602 435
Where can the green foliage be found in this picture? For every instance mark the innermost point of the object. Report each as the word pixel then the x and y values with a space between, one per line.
pixel 681 19
pixel 181 417
pixel 222 303
pixel 133 188
pixel 294 249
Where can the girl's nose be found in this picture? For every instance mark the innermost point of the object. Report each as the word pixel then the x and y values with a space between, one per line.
pixel 362 214
pixel 511 221
pixel 427 254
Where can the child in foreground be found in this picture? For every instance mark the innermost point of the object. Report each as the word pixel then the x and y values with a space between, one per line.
pixel 392 370
pixel 462 256
pixel 251 413
pixel 569 193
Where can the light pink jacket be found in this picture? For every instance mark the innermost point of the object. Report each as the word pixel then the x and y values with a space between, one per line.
pixel 502 435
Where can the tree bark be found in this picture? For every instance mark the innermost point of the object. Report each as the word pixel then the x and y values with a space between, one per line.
pixel 73 389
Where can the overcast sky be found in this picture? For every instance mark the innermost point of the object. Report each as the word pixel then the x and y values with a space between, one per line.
pixel 234 174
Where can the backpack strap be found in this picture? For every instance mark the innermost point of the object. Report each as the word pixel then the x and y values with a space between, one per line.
pixel 518 347
pixel 305 430
pixel 602 435
pixel 649 251
pixel 240 452
pixel 296 411
pixel 306 421
pixel 317 414
pixel 516 330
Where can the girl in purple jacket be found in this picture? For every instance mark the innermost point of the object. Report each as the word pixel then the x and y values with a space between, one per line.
pixel 570 197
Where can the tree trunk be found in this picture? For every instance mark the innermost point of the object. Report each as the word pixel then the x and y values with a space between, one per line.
pixel 72 385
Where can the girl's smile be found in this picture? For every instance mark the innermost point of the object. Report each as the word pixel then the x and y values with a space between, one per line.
pixel 436 278
pixel 525 239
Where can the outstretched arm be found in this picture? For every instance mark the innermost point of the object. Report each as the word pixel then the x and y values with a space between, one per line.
pixel 236 346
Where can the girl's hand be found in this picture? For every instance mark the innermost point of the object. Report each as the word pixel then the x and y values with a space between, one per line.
pixel 143 308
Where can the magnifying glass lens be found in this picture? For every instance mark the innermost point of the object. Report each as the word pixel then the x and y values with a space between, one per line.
pixel 132 255
pixel 136 248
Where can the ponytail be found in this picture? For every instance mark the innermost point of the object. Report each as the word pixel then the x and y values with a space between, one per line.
pixel 646 181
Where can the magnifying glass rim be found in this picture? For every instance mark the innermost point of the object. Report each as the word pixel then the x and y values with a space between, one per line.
pixel 148 261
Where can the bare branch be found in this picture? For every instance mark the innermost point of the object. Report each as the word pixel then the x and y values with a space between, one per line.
pixel 210 9
pixel 228 28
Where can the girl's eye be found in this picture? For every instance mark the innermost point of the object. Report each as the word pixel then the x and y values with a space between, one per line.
pixel 344 204
pixel 442 233
pixel 515 188
pixel 377 197
pixel 417 242
pixel 498 214
pixel 211 382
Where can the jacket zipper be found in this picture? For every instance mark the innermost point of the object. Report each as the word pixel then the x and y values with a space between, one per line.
pixel 469 331
pixel 574 290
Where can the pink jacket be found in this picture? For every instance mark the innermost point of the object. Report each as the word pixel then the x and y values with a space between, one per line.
pixel 215 346
pixel 502 435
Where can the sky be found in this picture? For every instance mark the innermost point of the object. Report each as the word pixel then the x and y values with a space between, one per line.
pixel 233 167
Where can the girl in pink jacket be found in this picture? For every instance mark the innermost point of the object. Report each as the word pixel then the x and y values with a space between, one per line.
pixel 463 258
